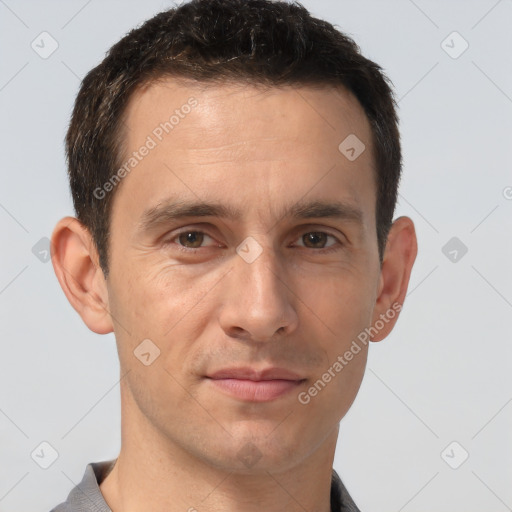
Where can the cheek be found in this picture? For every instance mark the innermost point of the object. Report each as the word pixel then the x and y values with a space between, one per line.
pixel 342 301
pixel 327 398
pixel 343 308
pixel 143 299
pixel 151 307
pixel 168 306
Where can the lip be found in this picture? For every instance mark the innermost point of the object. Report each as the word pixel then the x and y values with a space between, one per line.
pixel 252 385
pixel 247 373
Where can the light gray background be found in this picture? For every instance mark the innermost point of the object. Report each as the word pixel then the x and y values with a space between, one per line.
pixel 443 375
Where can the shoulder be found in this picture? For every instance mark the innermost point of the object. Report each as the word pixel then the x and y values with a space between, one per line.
pixel 86 496
pixel 341 500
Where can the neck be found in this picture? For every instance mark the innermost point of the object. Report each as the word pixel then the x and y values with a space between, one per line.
pixel 154 473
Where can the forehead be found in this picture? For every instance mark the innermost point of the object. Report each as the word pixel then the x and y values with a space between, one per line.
pixel 302 112
pixel 247 145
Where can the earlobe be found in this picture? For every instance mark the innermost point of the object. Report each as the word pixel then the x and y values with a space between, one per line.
pixel 399 257
pixel 75 262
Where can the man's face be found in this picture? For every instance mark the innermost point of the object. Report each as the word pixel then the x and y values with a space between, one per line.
pixel 293 296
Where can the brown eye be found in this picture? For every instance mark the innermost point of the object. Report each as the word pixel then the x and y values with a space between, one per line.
pixel 316 239
pixel 191 239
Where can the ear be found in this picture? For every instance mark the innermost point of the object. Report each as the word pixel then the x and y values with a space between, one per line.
pixel 76 264
pixel 399 256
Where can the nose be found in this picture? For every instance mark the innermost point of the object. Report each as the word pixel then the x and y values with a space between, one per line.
pixel 258 299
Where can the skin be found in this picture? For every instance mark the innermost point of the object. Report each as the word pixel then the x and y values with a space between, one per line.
pixel 294 306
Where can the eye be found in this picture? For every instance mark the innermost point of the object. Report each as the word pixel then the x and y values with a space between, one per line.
pixel 189 240
pixel 195 238
pixel 318 239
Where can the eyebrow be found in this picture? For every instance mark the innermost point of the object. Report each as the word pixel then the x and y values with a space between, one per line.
pixel 170 210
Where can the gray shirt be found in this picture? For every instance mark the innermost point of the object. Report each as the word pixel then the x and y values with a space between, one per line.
pixel 87 497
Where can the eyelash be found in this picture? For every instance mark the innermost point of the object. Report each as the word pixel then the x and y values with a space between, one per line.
pixel 189 250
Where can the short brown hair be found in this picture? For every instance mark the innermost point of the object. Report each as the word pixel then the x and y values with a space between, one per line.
pixel 253 41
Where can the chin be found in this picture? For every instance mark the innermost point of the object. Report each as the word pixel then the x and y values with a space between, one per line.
pixel 257 453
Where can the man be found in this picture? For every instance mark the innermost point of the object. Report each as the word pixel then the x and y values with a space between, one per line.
pixel 234 166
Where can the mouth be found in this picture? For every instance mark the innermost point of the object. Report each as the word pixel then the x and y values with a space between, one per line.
pixel 252 385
